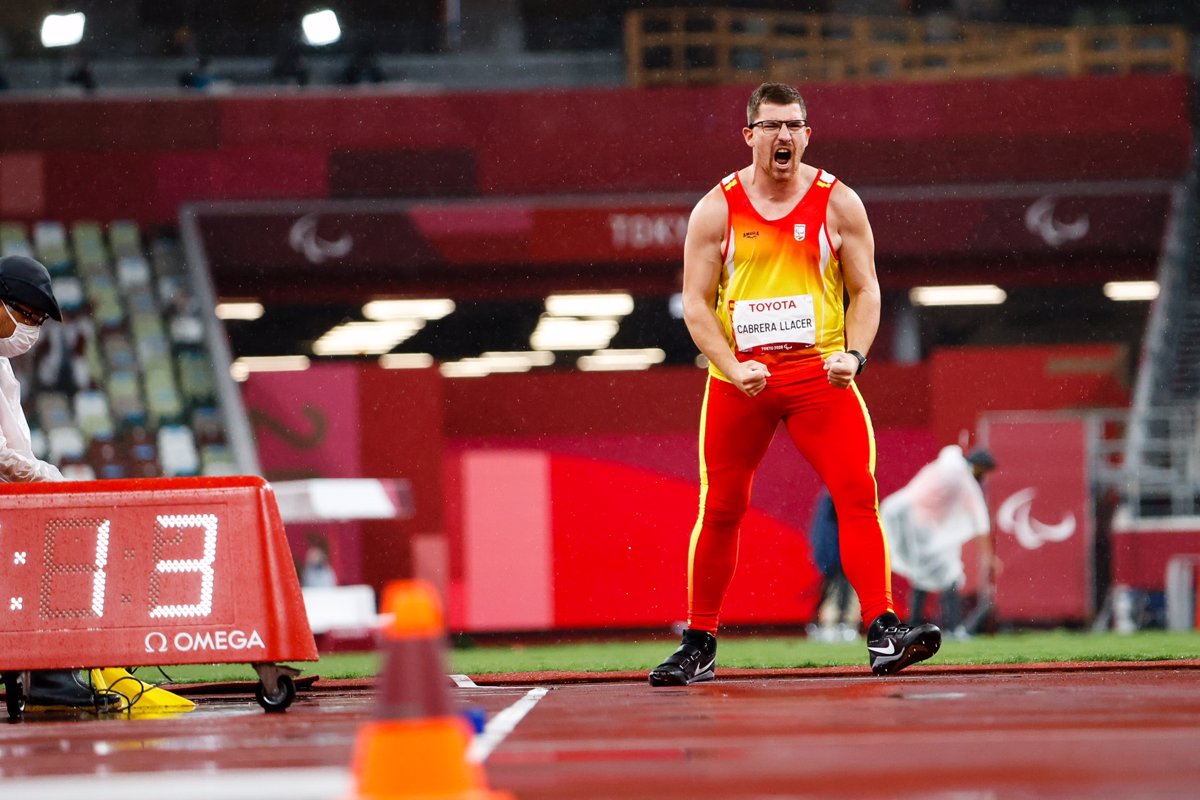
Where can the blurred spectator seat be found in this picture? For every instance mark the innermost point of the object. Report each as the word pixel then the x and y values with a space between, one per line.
pixel 196 377
pixel 125 239
pixel 162 399
pixel 78 472
pixel 125 395
pixel 13 240
pixel 216 459
pixel 105 457
pixel 50 245
pixel 177 451
pixel 54 411
pixel 65 444
pixel 93 415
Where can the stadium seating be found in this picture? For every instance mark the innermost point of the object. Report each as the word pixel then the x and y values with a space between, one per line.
pixel 124 387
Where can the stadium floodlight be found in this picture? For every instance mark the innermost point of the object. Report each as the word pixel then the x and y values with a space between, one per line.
pixel 239 309
pixel 496 361
pixel 321 28
pixel 970 295
pixel 242 367
pixel 62 30
pixel 1131 290
pixel 568 333
pixel 366 338
pixel 609 360
pixel 589 305
pixel 406 360
pixel 427 309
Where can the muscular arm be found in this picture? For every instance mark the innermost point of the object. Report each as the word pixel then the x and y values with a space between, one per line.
pixel 701 275
pixel 855 244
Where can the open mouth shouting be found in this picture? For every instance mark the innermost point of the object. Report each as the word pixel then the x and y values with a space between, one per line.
pixel 782 157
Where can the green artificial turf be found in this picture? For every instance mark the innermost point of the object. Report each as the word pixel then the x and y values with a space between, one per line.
pixel 641 653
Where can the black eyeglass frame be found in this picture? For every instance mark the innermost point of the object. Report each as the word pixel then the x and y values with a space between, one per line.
pixel 781 122
pixel 36 318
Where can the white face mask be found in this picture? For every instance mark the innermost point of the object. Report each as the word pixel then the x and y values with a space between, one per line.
pixel 21 339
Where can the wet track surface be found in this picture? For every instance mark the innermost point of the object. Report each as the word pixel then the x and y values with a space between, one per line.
pixel 1079 733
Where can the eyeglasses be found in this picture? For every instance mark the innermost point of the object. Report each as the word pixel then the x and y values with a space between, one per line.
pixel 32 317
pixel 773 125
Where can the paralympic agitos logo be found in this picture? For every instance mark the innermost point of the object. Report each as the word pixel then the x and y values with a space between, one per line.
pixel 1015 516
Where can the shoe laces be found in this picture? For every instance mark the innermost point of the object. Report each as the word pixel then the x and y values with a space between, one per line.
pixel 895 630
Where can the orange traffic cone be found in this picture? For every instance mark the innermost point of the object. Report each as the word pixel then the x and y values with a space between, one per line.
pixel 417 745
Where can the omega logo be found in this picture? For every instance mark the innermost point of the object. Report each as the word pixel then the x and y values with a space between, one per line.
pixel 184 642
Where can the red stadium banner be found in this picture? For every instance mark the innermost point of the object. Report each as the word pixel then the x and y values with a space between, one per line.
pixel 1042 520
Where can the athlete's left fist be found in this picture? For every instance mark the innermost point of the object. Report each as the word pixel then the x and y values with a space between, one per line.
pixel 841 369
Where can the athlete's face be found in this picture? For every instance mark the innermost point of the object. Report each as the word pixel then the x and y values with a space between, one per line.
pixel 778 152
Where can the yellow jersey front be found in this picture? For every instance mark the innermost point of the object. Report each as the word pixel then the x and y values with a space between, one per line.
pixel 780 298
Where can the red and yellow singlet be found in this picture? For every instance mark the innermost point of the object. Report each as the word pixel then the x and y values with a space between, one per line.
pixel 780 295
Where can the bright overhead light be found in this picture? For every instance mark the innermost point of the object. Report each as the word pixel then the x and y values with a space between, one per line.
pixel 239 310
pixel 568 333
pixel 365 338
pixel 1131 290
pixel 973 295
pixel 496 361
pixel 467 368
pixel 427 309
pixel 242 367
pixel 62 30
pixel 589 305
pixel 406 360
pixel 608 360
pixel 321 28
pixel 535 358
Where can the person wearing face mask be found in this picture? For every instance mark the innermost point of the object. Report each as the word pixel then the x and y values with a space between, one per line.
pixel 26 302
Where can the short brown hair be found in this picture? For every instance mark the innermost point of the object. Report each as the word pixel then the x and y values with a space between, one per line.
pixel 778 94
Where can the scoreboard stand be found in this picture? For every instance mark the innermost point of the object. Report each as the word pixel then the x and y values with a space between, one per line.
pixel 150 572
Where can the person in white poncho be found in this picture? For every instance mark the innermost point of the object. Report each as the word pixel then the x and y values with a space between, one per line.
pixel 928 522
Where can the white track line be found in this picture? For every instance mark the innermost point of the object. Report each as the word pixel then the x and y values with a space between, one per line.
pixel 274 784
pixel 501 725
pixel 464 682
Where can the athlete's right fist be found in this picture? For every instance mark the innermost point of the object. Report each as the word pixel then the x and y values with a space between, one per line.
pixel 750 377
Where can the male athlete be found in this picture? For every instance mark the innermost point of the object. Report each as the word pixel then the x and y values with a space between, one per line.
pixel 769 254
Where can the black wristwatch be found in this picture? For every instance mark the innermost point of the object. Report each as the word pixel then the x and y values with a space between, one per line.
pixel 862 361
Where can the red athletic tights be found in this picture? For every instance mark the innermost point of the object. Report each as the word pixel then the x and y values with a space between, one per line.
pixel 832 430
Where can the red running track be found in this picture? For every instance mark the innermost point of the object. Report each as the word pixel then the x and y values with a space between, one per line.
pixel 978 733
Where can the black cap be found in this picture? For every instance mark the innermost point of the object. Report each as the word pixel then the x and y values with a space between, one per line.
pixel 27 282
pixel 982 457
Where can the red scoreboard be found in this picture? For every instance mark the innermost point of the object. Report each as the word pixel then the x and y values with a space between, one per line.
pixel 149 572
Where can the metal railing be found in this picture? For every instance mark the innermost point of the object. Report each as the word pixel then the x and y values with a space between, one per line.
pixel 721 46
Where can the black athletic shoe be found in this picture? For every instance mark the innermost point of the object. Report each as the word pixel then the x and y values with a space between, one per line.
pixel 695 660
pixel 894 645
pixel 62 689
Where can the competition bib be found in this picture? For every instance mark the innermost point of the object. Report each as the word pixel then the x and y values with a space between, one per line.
pixel 774 323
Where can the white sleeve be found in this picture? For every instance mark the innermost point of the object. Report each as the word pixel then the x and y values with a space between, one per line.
pixel 16 467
